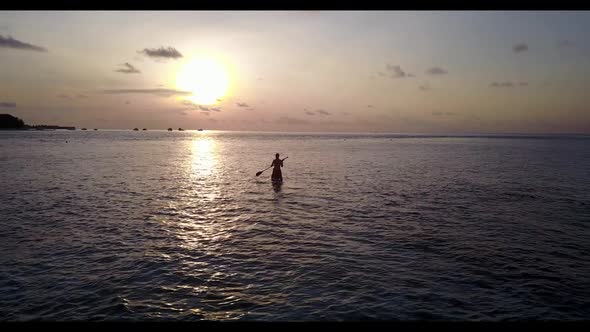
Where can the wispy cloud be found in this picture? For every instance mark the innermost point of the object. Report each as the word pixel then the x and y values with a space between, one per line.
pixel 369 106
pixel 129 69
pixel 291 121
pixel 565 43
pixel 242 105
pixel 424 87
pixel 397 72
pixel 323 112
pixel 170 52
pixel 64 96
pixel 9 42
pixel 436 71
pixel 5 104
pixel 520 47
pixel 156 92
pixel 501 84
pixel 437 113
pixel 82 96
pixel 203 109
pixel 312 113
pixel 508 84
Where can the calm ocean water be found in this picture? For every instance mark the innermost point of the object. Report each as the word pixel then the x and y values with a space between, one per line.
pixel 123 225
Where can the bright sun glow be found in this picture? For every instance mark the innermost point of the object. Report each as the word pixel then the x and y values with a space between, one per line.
pixel 206 78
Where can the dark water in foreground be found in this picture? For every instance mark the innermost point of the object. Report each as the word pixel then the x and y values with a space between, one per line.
pixel 159 225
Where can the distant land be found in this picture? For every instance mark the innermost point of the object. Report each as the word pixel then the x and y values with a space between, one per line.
pixel 8 121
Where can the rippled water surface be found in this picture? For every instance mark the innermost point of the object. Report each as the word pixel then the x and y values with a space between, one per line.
pixel 123 225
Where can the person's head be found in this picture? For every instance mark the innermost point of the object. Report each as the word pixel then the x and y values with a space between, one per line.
pixel 277 156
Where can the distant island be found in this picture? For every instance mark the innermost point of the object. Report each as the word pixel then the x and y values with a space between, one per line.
pixel 8 121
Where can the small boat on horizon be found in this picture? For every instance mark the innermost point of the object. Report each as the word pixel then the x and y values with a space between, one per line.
pixel 169 129
pixel 180 129
pixel 135 129
pixel 144 129
pixel 84 129
pixel 200 129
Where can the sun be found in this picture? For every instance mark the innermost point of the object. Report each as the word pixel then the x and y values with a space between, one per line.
pixel 205 78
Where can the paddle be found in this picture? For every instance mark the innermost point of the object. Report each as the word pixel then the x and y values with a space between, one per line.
pixel 258 174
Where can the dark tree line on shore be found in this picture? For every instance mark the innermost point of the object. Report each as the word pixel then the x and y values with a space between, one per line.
pixel 8 121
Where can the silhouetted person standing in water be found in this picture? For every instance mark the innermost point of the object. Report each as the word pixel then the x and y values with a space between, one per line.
pixel 277 175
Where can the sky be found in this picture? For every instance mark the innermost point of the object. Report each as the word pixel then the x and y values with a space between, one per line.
pixel 345 71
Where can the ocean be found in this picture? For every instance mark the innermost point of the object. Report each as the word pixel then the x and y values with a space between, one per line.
pixel 157 225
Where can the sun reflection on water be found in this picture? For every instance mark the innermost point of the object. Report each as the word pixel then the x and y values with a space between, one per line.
pixel 204 156
pixel 202 231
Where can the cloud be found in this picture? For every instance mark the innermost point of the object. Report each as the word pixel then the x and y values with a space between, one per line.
pixel 521 47
pixel 369 106
pixel 9 42
pixel 437 113
pixel 310 113
pixel 129 69
pixel 291 121
pixel 64 96
pixel 565 43
pixel 424 87
pixel 503 84
pixel 507 84
pixel 82 96
pixel 156 92
pixel 436 71
pixel 242 105
pixel 397 72
pixel 169 53
pixel 201 108
pixel 323 112
pixel 5 104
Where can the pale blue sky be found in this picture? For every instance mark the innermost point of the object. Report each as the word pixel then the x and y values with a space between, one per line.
pixel 283 63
